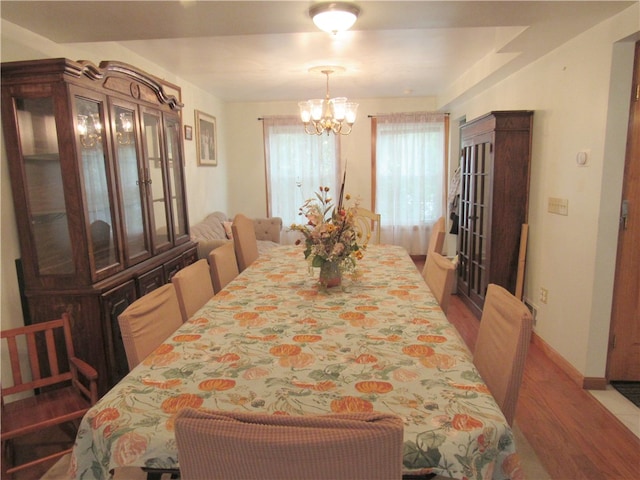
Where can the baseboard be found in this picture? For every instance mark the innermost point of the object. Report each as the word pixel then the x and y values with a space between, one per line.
pixel 586 383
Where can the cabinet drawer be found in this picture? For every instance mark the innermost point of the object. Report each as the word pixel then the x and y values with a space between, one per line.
pixel 148 282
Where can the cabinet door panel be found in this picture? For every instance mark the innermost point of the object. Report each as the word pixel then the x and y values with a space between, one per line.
pixel 96 181
pixel 137 243
pixel 44 186
pixel 156 180
pixel 176 180
pixel 114 303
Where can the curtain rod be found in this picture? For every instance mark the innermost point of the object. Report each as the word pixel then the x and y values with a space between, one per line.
pixel 382 114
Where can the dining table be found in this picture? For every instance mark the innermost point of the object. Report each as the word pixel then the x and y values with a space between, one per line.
pixel 275 341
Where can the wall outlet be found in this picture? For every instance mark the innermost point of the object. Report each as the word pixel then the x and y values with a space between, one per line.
pixel 544 295
pixel 559 206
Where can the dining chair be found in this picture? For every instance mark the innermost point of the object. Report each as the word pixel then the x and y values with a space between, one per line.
pixel 367 224
pixel 244 446
pixel 223 265
pixel 193 287
pixel 148 322
pixel 42 362
pixel 502 345
pixel 439 274
pixel 244 240
pixel 436 240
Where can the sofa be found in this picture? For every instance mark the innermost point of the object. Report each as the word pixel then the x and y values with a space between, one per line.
pixel 215 230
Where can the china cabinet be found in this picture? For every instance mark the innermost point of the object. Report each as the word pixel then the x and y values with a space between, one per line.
pixel 95 157
pixel 495 166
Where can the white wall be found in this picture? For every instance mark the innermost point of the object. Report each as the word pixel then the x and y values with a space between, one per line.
pixel 581 101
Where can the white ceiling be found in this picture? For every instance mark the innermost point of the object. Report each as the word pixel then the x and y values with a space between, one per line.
pixel 263 50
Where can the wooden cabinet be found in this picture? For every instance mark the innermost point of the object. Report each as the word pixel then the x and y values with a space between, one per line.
pixel 495 165
pixel 96 162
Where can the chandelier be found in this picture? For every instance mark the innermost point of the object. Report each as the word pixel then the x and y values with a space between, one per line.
pixel 321 115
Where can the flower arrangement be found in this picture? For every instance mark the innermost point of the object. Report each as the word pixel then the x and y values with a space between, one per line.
pixel 330 235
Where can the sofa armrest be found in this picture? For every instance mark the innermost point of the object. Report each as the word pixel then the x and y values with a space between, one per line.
pixel 268 228
pixel 205 246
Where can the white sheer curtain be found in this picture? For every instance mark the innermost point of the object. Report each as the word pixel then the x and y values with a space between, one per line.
pixel 297 164
pixel 409 176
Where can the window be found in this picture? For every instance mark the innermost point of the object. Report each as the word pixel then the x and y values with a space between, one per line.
pixel 297 164
pixel 408 184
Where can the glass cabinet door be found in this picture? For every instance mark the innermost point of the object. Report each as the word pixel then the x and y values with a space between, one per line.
pixel 155 180
pixel 176 181
pixel 132 182
pixel 44 186
pixel 90 121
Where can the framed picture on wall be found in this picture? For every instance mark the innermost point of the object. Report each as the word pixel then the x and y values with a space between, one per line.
pixel 207 143
pixel 188 132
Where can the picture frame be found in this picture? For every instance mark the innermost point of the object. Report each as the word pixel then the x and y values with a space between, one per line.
pixel 188 132
pixel 207 142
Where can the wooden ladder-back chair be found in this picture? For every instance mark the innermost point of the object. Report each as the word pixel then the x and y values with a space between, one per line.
pixel 502 345
pixel 439 274
pixel 64 387
pixel 193 287
pixel 224 266
pixel 245 446
pixel 367 225
pixel 244 239
pixel 148 322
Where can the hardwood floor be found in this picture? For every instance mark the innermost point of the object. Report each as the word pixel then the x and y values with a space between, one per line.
pixel 573 435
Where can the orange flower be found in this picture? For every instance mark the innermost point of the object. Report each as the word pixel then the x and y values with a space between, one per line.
pixel 128 448
pixel 308 321
pixel 163 385
pixel 186 338
pixel 404 375
pixel 372 386
pixel 420 321
pixel 318 387
pixel 104 416
pixel 162 349
pixel 307 293
pixel 265 338
pixel 297 361
pixel 439 360
pixel 236 287
pixel 351 404
pixel 184 400
pixel 418 350
pixel 228 358
pixel 366 358
pixel 307 338
pixel 161 360
pixel 465 423
pixel 285 350
pixel 255 372
pixel 367 308
pixel 216 384
pixel 352 316
pixel 480 388
pixel 198 321
pixel 246 315
pixel 432 338
pixel 398 293
pixel 265 308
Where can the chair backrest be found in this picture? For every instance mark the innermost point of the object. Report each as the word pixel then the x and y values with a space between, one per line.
pixel 502 345
pixel 265 446
pixel 45 355
pixel 436 240
pixel 193 287
pixel 367 225
pixel 244 240
pixel 148 322
pixel 439 274
pixel 223 265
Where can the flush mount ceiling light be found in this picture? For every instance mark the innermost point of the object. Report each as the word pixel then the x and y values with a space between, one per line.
pixel 334 17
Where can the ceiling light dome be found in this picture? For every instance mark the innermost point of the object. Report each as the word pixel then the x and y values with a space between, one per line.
pixel 334 17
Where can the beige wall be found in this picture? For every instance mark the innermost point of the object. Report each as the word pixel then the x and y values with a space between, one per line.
pixel 577 93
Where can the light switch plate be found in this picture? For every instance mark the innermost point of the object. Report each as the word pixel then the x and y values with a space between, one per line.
pixel 559 206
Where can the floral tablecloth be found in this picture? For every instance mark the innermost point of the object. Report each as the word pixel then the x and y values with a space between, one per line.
pixel 273 341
